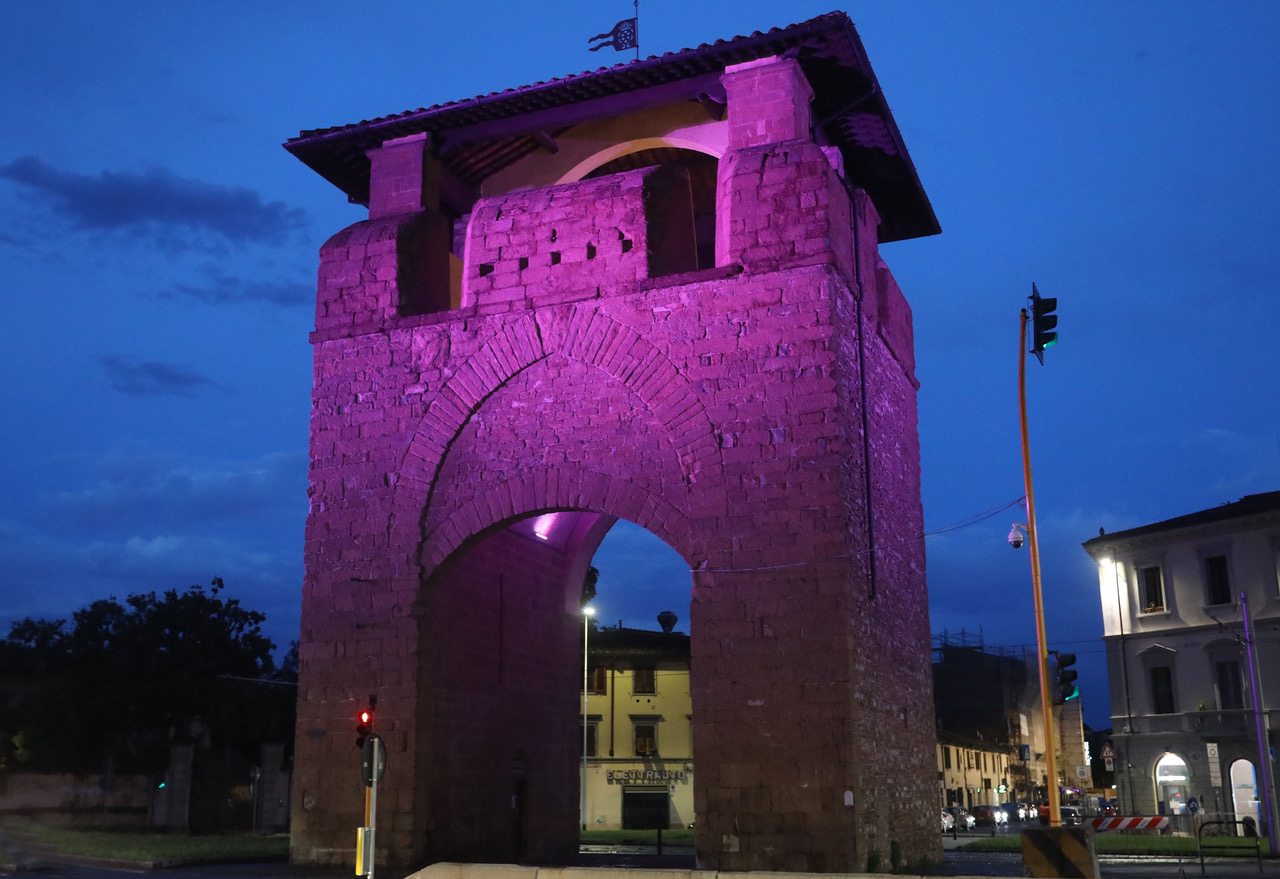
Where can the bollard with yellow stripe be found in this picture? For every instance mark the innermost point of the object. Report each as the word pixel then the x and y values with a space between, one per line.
pixel 1060 852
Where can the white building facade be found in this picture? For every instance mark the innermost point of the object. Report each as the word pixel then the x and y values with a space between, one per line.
pixel 1186 668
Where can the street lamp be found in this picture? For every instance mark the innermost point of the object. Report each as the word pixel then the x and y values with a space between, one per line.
pixel 587 613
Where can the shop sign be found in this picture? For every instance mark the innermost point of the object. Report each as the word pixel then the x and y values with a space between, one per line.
pixel 641 776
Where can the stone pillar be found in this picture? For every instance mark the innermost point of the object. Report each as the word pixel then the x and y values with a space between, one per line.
pixel 403 177
pixel 768 102
pixel 780 202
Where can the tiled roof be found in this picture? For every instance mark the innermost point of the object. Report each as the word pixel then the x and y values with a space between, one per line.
pixel 477 137
pixel 1249 505
pixel 638 641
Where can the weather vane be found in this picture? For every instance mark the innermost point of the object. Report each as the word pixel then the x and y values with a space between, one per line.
pixel 625 35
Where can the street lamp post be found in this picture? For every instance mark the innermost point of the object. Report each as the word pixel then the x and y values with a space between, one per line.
pixel 587 613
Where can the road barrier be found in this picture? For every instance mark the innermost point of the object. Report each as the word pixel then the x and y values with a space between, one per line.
pixel 1117 822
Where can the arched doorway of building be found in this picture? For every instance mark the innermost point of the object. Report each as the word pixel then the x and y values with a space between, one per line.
pixel 1171 784
pixel 1244 791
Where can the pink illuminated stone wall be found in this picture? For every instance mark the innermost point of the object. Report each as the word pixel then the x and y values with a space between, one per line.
pixel 758 416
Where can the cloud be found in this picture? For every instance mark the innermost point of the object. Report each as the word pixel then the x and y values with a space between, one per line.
pixel 156 203
pixel 225 290
pixel 50 575
pixel 140 493
pixel 153 378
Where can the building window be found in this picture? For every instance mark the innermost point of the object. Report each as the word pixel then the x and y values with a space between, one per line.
pixel 1162 690
pixel 1216 582
pixel 598 681
pixel 589 739
pixel 946 758
pixel 643 681
pixel 1229 684
pixel 646 739
pixel 1151 585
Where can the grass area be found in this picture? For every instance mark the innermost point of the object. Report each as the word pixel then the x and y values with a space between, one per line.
pixel 682 836
pixel 150 847
pixel 159 846
pixel 1131 844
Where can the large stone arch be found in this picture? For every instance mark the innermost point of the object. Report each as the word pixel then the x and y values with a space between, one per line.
pixel 556 491
pixel 578 333
pixel 777 394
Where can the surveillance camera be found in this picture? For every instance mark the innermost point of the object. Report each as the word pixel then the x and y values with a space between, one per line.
pixel 1016 537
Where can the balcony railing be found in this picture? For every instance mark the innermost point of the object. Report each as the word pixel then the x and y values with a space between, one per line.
pixel 1236 720
pixel 1218 722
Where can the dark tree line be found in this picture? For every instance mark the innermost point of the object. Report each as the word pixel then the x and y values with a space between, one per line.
pixel 120 682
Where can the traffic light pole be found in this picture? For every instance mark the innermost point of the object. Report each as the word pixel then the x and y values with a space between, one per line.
pixel 1042 653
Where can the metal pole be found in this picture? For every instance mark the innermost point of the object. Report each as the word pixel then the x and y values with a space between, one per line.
pixel 1265 776
pixel 1046 696
pixel 373 806
pixel 586 617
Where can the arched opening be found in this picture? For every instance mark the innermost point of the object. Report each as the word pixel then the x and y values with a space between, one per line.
pixel 702 170
pixel 1244 792
pixel 638 769
pixel 1172 781
pixel 514 682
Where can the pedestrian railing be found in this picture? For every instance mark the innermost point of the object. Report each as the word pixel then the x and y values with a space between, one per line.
pixel 1214 838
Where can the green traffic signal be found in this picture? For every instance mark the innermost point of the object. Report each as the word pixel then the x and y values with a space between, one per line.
pixel 1043 323
pixel 1066 689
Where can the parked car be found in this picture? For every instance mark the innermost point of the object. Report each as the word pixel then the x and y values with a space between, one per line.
pixel 1015 811
pixel 989 816
pixel 1069 814
pixel 948 822
pixel 964 821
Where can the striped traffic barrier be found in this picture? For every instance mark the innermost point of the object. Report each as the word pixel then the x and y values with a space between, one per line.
pixel 1116 822
pixel 1060 853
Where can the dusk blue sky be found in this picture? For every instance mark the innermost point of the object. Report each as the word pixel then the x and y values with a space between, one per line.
pixel 158 251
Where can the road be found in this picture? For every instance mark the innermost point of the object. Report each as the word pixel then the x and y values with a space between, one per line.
pixel 955 863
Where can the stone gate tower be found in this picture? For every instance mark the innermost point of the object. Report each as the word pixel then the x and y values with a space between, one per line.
pixel 650 292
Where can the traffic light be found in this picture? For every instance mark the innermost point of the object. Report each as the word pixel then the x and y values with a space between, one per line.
pixel 1043 322
pixel 364 725
pixel 1065 688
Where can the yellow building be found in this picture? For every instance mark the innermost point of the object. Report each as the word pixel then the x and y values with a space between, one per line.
pixel 972 772
pixel 639 749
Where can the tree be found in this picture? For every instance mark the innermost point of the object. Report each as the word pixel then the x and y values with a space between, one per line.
pixel 589 581
pixel 122 682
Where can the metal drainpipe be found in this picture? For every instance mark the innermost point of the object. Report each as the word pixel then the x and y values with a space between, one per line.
pixel 862 387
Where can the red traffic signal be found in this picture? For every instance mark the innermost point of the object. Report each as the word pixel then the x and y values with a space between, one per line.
pixel 364 726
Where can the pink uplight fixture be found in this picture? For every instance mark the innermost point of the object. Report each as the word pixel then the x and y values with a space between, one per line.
pixel 543 525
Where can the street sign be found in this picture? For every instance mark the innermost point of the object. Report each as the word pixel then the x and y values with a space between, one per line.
pixel 1110 763
pixel 373 759
pixel 1215 765
pixel 1108 752
pixel 1193 805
